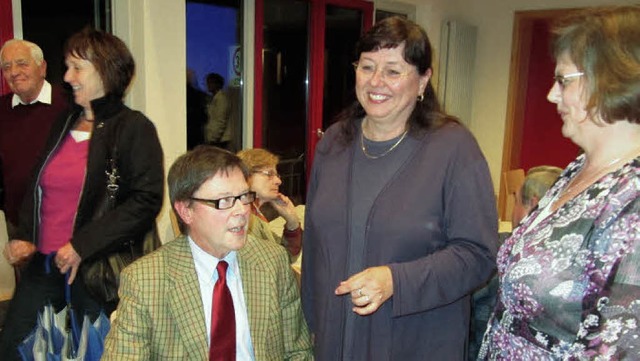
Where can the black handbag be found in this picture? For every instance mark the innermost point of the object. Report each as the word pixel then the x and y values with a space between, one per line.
pixel 101 274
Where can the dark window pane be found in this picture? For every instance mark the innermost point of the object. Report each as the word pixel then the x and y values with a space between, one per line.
pixel 284 96
pixel 50 23
pixel 214 36
pixel 343 28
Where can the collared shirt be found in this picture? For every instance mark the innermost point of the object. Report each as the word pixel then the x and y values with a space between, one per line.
pixel 43 97
pixel 207 276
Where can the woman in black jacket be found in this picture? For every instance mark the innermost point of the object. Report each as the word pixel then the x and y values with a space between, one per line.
pixel 65 212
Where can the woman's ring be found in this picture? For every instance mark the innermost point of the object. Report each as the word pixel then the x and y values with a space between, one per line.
pixel 359 292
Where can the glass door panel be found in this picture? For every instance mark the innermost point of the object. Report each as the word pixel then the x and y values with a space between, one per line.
pixel 306 53
pixel 214 37
pixel 342 30
pixel 284 89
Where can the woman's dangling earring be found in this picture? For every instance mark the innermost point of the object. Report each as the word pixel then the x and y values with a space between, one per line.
pixel 420 97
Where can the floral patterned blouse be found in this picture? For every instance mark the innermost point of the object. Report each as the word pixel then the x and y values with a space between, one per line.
pixel 570 284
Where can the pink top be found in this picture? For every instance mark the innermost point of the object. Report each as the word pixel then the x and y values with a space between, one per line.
pixel 61 184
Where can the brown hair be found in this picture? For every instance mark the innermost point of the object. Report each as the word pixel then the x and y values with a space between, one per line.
pixel 604 43
pixel 110 56
pixel 192 169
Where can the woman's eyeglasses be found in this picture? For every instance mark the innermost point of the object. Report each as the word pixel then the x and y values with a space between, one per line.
pixel 564 80
pixel 227 202
pixel 267 173
pixel 388 73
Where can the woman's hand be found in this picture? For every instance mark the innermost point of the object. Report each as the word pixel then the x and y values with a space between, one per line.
pixel 369 289
pixel 287 210
pixel 18 252
pixel 68 259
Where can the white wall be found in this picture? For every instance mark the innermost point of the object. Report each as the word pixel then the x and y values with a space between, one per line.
pixel 154 30
pixel 494 19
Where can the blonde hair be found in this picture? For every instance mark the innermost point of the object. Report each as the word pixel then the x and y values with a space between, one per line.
pixel 257 158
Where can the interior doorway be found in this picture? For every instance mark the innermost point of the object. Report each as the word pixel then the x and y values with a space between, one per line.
pixel 533 127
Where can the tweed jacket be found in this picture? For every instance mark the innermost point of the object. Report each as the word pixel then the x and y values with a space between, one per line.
pixel 161 317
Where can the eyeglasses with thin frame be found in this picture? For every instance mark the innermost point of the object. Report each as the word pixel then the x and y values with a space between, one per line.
pixel 227 202
pixel 387 73
pixel 267 173
pixel 564 80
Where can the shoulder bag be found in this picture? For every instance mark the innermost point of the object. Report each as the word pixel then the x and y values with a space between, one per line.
pixel 101 274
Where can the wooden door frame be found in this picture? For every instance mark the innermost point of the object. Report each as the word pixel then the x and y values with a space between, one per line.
pixel 518 81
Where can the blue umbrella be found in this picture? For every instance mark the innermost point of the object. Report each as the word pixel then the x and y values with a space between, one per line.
pixel 60 337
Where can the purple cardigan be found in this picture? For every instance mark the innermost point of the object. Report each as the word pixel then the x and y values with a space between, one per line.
pixel 434 224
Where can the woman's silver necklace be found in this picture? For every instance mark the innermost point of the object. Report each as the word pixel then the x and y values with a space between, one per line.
pixel 394 146
pixel 580 185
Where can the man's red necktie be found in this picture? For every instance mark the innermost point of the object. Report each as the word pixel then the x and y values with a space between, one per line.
pixel 223 320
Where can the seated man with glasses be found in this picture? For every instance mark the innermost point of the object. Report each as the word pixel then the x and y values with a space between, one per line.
pixel 215 292
pixel 265 182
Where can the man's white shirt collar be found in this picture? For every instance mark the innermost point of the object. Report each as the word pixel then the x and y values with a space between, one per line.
pixel 43 97
pixel 206 264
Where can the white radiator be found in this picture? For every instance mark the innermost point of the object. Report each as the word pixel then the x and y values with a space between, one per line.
pixel 457 58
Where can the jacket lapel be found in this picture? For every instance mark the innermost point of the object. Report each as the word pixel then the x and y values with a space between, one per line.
pixel 248 261
pixel 185 304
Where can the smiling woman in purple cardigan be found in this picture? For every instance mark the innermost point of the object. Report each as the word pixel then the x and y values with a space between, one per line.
pixel 401 223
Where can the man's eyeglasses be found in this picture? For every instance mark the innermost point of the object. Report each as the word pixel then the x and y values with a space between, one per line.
pixel 388 73
pixel 268 173
pixel 227 202
pixel 564 80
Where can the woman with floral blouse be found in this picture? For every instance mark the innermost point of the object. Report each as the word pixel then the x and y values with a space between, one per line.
pixel 570 273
